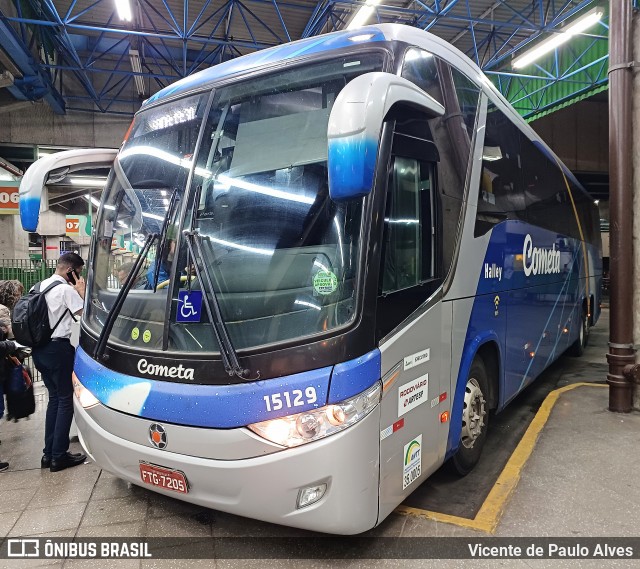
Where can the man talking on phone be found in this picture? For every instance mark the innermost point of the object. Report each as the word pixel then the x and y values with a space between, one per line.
pixel 54 360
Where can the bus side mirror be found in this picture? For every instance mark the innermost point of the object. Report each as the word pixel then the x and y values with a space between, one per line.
pixel 53 168
pixel 355 125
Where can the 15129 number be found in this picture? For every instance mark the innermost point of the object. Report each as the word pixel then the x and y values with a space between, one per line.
pixel 290 399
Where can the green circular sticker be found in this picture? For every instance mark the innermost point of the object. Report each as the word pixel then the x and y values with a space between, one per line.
pixel 325 282
pixel 146 337
pixel 135 333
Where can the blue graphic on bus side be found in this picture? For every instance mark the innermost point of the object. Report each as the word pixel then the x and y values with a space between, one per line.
pixel 189 306
pixel 530 295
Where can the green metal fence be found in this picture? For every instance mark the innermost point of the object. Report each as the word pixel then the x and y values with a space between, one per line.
pixel 27 271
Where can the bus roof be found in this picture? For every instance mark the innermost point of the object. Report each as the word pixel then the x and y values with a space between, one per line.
pixel 316 44
pixel 308 46
pixel 345 38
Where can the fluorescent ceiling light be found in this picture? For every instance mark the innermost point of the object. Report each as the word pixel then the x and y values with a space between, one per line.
pixel 363 14
pixel 564 35
pixel 124 10
pixel 88 182
pixel 93 200
pixel 136 66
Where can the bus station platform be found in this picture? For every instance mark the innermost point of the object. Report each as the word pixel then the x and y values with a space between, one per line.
pixel 557 463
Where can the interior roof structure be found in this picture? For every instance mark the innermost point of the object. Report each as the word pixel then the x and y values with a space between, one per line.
pixel 79 54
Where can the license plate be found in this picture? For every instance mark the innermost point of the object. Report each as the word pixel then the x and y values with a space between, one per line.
pixel 163 477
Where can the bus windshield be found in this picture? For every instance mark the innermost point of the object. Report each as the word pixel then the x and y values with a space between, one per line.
pixel 281 255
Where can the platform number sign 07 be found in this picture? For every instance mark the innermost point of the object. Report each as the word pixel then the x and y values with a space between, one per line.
pixel 73 225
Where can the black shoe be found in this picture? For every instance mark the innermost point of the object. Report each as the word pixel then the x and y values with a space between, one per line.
pixel 4 466
pixel 45 461
pixel 67 461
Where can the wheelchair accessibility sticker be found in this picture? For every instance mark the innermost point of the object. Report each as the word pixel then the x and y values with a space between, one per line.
pixel 189 306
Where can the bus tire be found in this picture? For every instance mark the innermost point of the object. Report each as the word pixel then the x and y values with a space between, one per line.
pixel 577 348
pixel 475 420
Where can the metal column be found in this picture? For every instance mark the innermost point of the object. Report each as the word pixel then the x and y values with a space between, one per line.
pixel 621 349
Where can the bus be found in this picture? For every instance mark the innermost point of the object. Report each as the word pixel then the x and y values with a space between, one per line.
pixel 347 254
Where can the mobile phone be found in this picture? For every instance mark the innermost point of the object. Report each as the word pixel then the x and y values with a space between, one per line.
pixel 72 275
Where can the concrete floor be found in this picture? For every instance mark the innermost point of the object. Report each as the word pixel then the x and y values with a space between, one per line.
pixel 578 482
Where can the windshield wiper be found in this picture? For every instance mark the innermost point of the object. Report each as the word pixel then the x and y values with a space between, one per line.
pixel 163 234
pixel 227 351
pixel 117 305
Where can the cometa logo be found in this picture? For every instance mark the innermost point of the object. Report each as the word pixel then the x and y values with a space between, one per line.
pixel 165 371
pixel 537 261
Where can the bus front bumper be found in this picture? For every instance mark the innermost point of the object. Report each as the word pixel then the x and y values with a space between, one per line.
pixel 263 487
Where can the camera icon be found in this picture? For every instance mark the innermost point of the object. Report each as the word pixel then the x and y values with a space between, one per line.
pixel 23 548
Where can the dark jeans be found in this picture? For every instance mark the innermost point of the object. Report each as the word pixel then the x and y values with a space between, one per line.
pixel 55 363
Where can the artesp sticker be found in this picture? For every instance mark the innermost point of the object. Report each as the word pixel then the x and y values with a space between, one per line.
pixel 413 394
pixel 412 461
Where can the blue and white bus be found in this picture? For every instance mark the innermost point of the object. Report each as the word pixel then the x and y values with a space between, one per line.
pixel 350 251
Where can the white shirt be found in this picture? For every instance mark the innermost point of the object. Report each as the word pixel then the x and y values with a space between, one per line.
pixel 60 300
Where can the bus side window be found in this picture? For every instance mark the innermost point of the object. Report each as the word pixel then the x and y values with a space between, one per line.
pixel 500 196
pixel 409 234
pixel 549 204
pixel 452 133
pixel 411 255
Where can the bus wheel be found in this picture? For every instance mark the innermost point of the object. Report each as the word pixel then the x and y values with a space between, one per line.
pixel 577 348
pixel 475 420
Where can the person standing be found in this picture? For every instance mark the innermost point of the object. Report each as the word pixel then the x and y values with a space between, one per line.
pixel 10 292
pixel 55 359
pixel 7 348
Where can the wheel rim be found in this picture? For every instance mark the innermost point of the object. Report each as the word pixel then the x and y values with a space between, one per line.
pixel 473 414
pixel 583 330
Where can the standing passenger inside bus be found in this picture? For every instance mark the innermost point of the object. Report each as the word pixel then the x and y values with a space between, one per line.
pixel 140 282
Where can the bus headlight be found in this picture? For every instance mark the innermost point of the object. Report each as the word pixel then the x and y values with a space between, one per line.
pixel 308 426
pixel 84 396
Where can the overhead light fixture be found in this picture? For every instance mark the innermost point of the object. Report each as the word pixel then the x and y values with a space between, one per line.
pixel 363 14
pixel 88 182
pixel 124 10
pixel 93 200
pixel 564 35
pixel 136 66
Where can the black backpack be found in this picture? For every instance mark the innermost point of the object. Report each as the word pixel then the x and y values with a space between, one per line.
pixel 30 319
